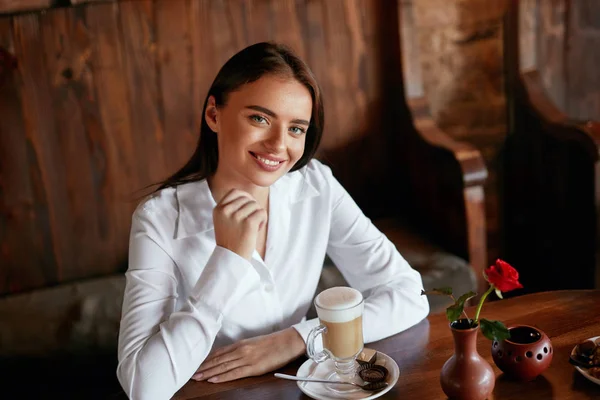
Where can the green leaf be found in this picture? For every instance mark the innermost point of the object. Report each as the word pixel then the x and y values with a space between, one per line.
pixel 494 330
pixel 453 312
pixel 445 291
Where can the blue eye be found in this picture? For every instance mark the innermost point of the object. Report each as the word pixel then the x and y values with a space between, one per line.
pixel 297 130
pixel 259 119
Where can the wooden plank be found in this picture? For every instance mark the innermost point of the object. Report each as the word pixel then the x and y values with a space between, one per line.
pixel 20 225
pixel 318 59
pixel 75 2
pixel 82 150
pixel 122 173
pixel 46 168
pixel 204 66
pixel 175 72
pixel 236 12
pixel 139 54
pixel 13 6
pixel 259 10
pixel 223 39
pixel 340 69
pixel 286 25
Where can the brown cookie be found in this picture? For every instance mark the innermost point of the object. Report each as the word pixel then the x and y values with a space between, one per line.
pixel 364 365
pixel 373 373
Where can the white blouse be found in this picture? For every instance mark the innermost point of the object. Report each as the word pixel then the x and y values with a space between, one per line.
pixel 185 295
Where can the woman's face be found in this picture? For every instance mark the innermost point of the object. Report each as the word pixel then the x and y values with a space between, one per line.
pixel 261 130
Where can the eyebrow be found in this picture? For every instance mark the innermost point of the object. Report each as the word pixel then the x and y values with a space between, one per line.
pixel 272 114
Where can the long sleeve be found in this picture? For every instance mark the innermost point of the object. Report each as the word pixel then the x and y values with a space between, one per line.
pixel 161 345
pixel 372 264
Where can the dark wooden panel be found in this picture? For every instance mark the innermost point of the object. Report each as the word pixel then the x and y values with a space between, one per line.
pixel 138 38
pixel 122 176
pixel 81 146
pixel 356 75
pixel 204 67
pixel 21 227
pixel 45 168
pixel 10 6
pixel 175 74
pixel 286 25
pixel 259 10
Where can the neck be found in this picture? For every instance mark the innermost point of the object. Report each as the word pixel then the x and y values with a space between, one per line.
pixel 220 186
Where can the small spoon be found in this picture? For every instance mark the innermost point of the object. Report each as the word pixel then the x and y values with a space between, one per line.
pixel 371 387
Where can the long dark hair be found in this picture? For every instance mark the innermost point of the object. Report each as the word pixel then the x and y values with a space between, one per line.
pixel 247 66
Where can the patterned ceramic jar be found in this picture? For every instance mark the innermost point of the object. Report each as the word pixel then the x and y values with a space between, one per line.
pixel 525 355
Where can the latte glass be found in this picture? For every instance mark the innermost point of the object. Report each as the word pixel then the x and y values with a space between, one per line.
pixel 340 312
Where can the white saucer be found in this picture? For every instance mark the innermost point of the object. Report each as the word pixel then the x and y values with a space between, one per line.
pixel 320 391
pixel 584 371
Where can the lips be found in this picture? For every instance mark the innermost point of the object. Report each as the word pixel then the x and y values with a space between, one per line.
pixel 266 162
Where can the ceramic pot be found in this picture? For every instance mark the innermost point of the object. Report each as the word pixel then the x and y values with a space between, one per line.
pixel 525 355
pixel 466 375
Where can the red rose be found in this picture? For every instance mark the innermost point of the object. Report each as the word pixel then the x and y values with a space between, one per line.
pixel 503 276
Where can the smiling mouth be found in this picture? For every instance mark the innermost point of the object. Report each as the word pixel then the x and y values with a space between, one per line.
pixel 267 161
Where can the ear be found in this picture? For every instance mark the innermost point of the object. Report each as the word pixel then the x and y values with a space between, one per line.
pixel 211 115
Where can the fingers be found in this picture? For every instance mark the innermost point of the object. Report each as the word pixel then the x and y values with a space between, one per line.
pixel 219 357
pixel 257 218
pixel 234 194
pixel 246 210
pixel 220 370
pixel 233 374
pixel 237 204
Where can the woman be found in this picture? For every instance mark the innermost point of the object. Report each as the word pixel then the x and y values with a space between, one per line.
pixel 227 254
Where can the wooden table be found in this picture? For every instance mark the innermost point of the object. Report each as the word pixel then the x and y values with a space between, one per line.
pixel 567 317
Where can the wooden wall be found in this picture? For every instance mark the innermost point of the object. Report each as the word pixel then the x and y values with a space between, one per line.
pixel 99 100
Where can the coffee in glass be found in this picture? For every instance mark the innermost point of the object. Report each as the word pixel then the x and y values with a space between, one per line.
pixel 340 312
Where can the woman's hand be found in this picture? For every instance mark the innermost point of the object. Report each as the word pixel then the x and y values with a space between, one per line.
pixel 252 357
pixel 237 219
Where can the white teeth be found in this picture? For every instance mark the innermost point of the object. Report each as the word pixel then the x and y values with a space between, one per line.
pixel 268 162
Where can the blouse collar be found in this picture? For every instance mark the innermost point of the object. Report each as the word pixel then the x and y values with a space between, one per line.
pixel 196 202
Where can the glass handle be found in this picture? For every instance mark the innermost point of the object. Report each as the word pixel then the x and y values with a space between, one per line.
pixel 310 345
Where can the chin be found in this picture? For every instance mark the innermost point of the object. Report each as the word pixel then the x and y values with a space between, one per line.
pixel 265 180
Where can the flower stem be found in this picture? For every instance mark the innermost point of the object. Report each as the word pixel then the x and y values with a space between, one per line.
pixel 485 295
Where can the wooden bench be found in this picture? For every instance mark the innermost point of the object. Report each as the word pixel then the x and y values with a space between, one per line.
pixel 551 182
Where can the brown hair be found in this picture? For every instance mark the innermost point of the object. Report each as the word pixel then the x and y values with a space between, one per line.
pixel 247 66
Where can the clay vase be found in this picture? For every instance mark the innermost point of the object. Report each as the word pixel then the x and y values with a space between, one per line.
pixel 466 375
pixel 525 355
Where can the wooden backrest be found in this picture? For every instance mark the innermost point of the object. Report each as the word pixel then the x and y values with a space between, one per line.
pixel 551 179
pixel 106 98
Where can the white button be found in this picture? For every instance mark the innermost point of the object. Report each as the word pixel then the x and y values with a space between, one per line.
pixel 268 287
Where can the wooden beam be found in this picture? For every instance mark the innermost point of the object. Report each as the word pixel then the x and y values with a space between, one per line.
pixel 21 6
pixel 14 6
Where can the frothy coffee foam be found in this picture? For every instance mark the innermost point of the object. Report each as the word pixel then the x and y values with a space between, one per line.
pixel 338 304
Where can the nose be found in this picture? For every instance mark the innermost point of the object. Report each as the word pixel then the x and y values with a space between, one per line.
pixel 276 140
